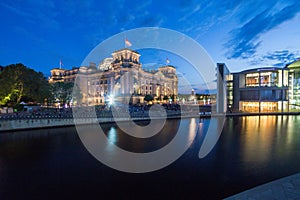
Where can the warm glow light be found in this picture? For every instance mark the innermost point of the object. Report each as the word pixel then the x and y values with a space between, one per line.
pixel 252 75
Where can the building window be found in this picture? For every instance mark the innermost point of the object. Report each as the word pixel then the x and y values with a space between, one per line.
pixel 252 80
pixel 256 106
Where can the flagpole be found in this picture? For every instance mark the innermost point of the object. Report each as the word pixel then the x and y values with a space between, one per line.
pixel 167 61
pixel 60 64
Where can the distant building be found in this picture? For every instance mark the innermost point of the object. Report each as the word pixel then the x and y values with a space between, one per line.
pixel 63 75
pixel 120 75
pixel 193 92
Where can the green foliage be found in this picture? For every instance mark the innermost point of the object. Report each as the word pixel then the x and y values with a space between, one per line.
pixel 18 107
pixel 61 92
pixel 76 94
pixel 148 97
pixel 172 97
pixel 19 82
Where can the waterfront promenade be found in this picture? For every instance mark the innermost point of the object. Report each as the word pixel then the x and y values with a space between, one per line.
pixel 47 118
pixel 281 189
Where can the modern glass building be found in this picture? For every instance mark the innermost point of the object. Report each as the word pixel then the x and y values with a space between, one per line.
pixel 224 89
pixel 294 85
pixel 267 89
pixel 261 90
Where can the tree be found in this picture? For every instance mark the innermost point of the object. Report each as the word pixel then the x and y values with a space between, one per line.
pixel 61 92
pixel 76 94
pixel 148 98
pixel 19 82
pixel 166 98
pixel 172 97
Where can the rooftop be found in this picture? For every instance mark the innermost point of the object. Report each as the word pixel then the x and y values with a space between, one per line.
pixel 261 69
pixel 294 64
pixel 125 49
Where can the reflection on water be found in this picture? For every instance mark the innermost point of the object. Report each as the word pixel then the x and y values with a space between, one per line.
pixel 192 130
pixel 116 136
pixel 268 139
pixel 53 163
pixel 212 135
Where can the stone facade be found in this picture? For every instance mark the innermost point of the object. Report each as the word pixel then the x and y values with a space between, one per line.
pixel 120 76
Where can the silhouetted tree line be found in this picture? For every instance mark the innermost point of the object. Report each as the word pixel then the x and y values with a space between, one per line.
pixel 19 83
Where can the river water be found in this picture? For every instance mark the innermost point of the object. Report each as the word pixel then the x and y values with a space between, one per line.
pixel 54 164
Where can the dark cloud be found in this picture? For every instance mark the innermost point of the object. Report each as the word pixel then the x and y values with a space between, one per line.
pixel 276 58
pixel 284 55
pixel 245 39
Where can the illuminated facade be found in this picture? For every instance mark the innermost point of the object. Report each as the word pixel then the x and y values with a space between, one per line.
pixel 119 76
pixel 294 85
pixel 63 75
pixel 261 90
pixel 268 89
pixel 224 89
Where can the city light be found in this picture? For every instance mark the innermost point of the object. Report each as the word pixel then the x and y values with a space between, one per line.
pixel 110 100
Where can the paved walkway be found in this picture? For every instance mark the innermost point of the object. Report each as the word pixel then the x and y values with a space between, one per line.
pixel 284 188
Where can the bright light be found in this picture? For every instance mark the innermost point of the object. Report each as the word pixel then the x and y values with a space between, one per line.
pixel 110 99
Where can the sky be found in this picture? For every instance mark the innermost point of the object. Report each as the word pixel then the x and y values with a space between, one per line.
pixel 241 34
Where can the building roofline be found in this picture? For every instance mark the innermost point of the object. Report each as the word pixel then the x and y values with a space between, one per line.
pixel 126 49
pixel 261 69
pixel 167 66
pixel 293 64
pixel 58 68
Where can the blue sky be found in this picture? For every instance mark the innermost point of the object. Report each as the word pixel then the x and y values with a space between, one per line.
pixel 243 34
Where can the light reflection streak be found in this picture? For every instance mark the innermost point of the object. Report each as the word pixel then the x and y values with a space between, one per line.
pixel 267 138
pixel 112 135
pixel 192 130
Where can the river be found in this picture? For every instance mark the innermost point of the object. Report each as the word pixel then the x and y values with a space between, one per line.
pixel 54 164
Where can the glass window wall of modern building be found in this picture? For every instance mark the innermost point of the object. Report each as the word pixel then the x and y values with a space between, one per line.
pixel 262 90
pixel 294 85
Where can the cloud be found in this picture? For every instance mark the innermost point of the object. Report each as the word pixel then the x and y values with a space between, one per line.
pixel 277 58
pixel 16 10
pixel 189 14
pixel 245 39
pixel 36 13
pixel 283 56
pixel 197 18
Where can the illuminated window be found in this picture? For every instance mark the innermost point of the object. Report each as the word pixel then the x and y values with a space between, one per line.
pixel 252 80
